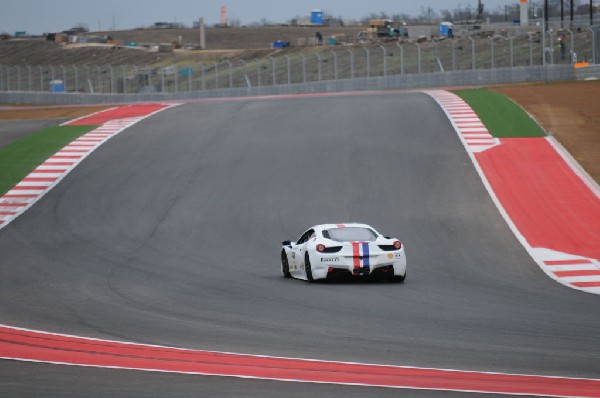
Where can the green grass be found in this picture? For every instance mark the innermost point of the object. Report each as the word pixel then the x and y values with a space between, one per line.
pixel 21 157
pixel 502 117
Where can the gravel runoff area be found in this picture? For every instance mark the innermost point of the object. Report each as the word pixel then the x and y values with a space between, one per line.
pixel 566 110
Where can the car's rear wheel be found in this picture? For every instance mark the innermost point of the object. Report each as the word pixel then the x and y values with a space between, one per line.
pixel 308 268
pixel 285 266
pixel 398 278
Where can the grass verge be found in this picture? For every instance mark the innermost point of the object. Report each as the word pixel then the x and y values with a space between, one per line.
pixel 21 157
pixel 502 117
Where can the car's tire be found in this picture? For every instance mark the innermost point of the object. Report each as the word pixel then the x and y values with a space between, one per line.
pixel 308 268
pixel 285 266
pixel 398 278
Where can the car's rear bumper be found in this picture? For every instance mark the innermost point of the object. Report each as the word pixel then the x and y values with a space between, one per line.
pixel 384 263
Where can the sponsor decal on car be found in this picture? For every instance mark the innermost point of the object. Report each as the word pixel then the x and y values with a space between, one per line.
pixel 330 260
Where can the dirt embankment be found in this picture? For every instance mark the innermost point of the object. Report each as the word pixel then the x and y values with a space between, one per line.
pixel 232 43
pixel 568 111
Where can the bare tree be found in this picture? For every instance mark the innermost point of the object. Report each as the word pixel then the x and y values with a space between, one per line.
pixel 427 13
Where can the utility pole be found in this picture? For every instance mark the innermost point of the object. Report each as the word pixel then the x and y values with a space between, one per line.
pixel 479 17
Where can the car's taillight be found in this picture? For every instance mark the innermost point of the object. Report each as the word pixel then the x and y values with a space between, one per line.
pixel 320 248
pixel 397 245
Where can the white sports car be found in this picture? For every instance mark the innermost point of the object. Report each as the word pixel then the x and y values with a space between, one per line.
pixel 353 249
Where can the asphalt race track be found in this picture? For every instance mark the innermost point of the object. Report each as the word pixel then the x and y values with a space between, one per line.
pixel 170 234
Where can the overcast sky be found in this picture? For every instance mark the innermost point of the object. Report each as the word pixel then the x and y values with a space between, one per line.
pixel 38 16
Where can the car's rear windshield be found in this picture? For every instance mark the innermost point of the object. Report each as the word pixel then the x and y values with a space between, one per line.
pixel 350 234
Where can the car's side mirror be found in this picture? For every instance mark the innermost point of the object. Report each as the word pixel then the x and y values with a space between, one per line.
pixel 287 243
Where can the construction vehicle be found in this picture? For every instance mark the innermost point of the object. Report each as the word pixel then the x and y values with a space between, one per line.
pixel 379 28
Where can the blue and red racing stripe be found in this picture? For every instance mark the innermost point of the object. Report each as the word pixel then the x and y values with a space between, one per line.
pixel 365 250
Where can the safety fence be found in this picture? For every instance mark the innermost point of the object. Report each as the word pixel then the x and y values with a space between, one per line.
pixel 465 60
pixel 398 81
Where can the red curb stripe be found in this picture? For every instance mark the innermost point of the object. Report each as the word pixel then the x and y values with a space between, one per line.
pixel 586 284
pixel 39 346
pixel 27 188
pixel 11 196
pixel 65 157
pixel 583 272
pixel 49 171
pixel 567 262
pixel 13 204
pixel 39 179
pixel 7 213
pixel 46 163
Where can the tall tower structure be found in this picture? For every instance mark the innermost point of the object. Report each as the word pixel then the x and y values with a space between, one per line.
pixel 224 21
pixel 524 5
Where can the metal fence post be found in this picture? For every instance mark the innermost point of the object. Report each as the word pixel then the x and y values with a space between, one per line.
pixel 572 46
pixel 551 48
pixel 4 77
pixel 190 72
pixel 98 78
pixel 88 79
pixel 512 53
pixel 202 75
pixel 491 39
pixel 351 64
pixel 594 43
pixel 401 58
pixel 18 77
pixel 289 70
pixel 29 78
pixel 303 68
pixel 453 55
pixel 418 57
pixel 258 66
pixel 472 52
pixel 123 78
pixel 230 73
pixel 76 78
pixel 216 75
pixel 162 80
pixel 384 61
pixel 273 66
pixel 41 77
pixel 530 51
pixel 368 61
pixel 319 66
pixel 112 79
pixel 335 68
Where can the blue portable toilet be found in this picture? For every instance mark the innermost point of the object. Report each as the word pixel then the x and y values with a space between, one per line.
pixel 57 86
pixel 316 17
pixel 445 28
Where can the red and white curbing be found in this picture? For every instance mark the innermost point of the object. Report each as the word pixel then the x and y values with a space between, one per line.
pixel 471 130
pixel 41 180
pixel 572 270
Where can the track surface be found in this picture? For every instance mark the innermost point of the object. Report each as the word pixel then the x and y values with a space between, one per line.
pixel 169 234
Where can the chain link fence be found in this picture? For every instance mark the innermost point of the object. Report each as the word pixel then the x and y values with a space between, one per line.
pixel 466 60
